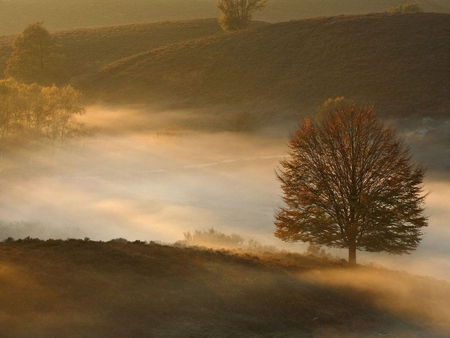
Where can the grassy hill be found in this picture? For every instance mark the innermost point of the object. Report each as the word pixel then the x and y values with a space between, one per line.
pixel 81 288
pixel 89 49
pixel 15 15
pixel 398 62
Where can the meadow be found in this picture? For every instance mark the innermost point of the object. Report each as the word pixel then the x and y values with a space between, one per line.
pixel 191 125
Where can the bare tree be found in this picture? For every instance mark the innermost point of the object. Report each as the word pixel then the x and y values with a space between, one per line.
pixel 351 183
pixel 237 14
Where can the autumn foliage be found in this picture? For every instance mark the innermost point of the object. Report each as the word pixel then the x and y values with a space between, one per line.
pixel 237 14
pixel 351 183
pixel 37 111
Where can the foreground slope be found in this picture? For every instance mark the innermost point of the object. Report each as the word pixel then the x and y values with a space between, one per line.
pixel 89 289
pixel 399 62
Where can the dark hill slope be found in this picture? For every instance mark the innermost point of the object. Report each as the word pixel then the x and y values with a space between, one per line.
pixel 81 288
pixel 88 49
pixel 400 62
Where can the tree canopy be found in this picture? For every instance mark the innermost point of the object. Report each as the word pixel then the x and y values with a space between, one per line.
pixel 36 111
pixel 351 183
pixel 237 14
pixel 36 58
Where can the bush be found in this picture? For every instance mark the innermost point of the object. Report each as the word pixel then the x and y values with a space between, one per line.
pixel 213 238
pixel 409 7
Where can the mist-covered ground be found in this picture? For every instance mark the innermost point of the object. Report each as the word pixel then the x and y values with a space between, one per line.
pixel 152 176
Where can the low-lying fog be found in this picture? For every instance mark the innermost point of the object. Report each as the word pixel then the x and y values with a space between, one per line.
pixel 149 177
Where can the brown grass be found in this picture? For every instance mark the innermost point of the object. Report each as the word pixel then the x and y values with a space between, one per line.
pixel 398 62
pixel 89 49
pixel 81 288
pixel 56 14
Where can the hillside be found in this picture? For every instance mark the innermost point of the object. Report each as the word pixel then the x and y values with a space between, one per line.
pixel 81 288
pixel 88 49
pixel 15 15
pixel 399 62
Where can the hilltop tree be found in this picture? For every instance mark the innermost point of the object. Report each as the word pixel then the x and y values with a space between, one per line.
pixel 36 58
pixel 351 183
pixel 237 14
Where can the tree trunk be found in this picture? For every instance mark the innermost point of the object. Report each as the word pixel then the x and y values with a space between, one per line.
pixel 352 254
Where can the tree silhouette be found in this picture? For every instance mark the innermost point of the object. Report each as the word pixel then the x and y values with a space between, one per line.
pixel 36 58
pixel 237 14
pixel 351 183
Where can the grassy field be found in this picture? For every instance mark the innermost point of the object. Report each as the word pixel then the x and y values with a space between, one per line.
pixel 398 62
pixel 89 49
pixel 83 288
pixel 79 288
pixel 15 15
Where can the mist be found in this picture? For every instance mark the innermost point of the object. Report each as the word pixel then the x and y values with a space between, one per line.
pixel 151 175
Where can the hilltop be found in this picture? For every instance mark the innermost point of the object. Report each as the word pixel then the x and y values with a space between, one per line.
pixel 79 288
pixel 15 15
pixel 398 62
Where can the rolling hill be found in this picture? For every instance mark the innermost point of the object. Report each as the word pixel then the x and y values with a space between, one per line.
pixel 399 62
pixel 15 15
pixel 89 49
pixel 79 288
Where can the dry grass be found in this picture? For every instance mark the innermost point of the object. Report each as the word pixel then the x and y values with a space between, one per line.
pixel 80 288
pixel 15 15
pixel 398 62
pixel 89 49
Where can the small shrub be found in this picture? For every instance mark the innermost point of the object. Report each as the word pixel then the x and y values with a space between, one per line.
pixel 213 238
pixel 119 240
pixel 409 7
pixel 317 251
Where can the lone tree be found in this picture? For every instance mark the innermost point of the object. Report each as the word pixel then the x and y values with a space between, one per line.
pixel 351 183
pixel 36 58
pixel 237 14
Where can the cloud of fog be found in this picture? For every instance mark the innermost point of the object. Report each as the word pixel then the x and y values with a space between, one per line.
pixel 155 175
pixel 147 177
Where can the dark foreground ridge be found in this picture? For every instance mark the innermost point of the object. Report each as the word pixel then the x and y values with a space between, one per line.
pixel 79 288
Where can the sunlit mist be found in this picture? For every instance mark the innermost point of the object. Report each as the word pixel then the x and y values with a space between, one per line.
pixel 151 175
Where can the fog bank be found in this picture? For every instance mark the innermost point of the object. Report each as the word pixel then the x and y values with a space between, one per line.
pixel 154 175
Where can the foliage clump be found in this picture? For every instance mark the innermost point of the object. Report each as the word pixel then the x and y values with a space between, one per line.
pixel 36 58
pixel 212 238
pixel 409 7
pixel 237 14
pixel 37 111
